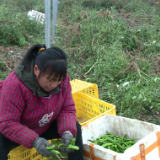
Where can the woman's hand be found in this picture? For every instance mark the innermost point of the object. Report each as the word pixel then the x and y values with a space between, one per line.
pixel 40 144
pixel 66 139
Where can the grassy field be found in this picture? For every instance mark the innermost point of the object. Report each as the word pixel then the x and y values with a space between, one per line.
pixel 115 44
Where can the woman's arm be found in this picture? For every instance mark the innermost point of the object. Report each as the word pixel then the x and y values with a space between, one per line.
pixel 12 104
pixel 67 117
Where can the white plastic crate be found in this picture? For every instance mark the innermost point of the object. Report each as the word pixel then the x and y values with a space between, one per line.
pixel 38 16
pixel 147 146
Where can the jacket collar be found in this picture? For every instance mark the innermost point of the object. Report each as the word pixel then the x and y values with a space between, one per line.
pixel 29 79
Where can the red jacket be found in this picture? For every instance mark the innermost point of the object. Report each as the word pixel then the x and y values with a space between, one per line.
pixel 24 116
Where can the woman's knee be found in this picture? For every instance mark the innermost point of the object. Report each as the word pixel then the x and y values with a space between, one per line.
pixel 6 146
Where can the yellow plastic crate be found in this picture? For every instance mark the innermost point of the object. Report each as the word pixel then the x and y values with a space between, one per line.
pixel 87 88
pixel 22 153
pixel 89 108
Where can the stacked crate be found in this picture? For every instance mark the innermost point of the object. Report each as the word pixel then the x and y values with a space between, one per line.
pixel 88 105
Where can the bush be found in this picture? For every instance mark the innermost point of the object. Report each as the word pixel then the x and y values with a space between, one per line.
pixel 16 28
pixel 25 5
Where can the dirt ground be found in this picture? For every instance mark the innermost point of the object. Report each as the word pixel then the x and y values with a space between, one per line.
pixel 10 57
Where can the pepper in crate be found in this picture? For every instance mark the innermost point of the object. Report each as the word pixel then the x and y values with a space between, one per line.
pixel 113 142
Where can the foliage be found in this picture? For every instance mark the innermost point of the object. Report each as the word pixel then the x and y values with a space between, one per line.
pixel 24 5
pixel 109 51
pixel 16 28
pixel 115 44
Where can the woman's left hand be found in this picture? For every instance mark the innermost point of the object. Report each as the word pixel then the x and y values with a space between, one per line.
pixel 66 139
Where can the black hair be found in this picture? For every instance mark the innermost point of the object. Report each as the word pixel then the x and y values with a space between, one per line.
pixel 51 61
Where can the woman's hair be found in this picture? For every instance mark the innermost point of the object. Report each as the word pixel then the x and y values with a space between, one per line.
pixel 51 61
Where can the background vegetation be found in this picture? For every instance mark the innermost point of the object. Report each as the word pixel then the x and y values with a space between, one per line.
pixel 115 44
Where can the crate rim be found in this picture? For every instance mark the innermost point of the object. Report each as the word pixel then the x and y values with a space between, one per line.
pixel 81 89
pixel 93 97
pixel 86 122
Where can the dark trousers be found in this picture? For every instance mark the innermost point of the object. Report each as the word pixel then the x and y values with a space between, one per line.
pixel 6 145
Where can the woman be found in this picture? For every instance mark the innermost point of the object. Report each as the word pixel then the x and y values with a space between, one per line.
pixel 36 104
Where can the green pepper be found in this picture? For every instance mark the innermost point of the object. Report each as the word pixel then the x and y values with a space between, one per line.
pixel 60 145
pixel 107 144
pixel 51 147
pixel 73 147
pixel 70 146
pixel 114 142
pixel 72 141
pixel 55 151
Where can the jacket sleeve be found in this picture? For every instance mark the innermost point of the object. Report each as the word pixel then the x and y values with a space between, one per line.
pixel 66 119
pixel 12 105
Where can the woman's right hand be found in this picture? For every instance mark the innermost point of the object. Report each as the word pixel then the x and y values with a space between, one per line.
pixel 40 144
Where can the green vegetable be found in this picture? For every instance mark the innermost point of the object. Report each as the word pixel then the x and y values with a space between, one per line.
pixel 54 147
pixel 70 146
pixel 51 147
pixel 72 141
pixel 55 151
pixel 113 142
pixel 73 147
pixel 107 144
pixel 60 145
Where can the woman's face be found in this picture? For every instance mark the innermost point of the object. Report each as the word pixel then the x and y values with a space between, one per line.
pixel 47 84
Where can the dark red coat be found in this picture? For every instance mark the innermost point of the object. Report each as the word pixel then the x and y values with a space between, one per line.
pixel 24 116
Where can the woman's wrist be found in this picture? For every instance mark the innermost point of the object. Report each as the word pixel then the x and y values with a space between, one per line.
pixel 67 132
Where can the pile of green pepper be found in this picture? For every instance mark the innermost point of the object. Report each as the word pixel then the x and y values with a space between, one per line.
pixel 113 142
pixel 54 148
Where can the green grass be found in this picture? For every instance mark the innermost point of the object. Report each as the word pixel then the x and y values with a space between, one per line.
pixel 109 51
pixel 106 43
pixel 17 28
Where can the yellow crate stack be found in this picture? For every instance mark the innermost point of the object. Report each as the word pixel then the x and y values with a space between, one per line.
pixel 87 88
pixel 88 108
pixel 87 102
